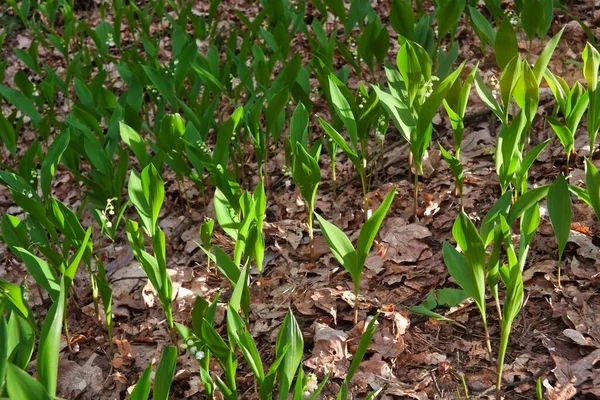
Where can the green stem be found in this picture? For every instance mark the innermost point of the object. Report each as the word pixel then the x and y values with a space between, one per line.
pixel 309 222
pixel 356 304
pixel 501 354
pixel 365 199
pixel 416 193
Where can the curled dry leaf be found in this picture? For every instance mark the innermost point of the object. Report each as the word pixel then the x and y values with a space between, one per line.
pixel 330 353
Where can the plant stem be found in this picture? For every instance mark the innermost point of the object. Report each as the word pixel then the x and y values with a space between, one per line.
pixel 559 265
pixel 365 199
pixel 498 308
pixel 416 194
pixel 311 237
pixel 355 304
pixel 487 339
pixel 501 354
pixel 67 335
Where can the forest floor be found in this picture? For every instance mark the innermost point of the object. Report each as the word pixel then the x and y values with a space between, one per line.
pixel 556 336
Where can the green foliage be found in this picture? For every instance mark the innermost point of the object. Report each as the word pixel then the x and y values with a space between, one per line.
pixel 559 211
pixel 353 260
pixel 206 115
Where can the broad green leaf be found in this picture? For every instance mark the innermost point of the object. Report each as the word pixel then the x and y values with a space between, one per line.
pixel 486 95
pixel 20 385
pixel 370 228
pixel 482 27
pixel 340 246
pixel 530 17
pixel 340 141
pixel 399 112
pixel 240 286
pixel 299 126
pixel 527 200
pixel 402 18
pixel 306 174
pixel 591 64
pixel 564 134
pixel 448 14
pixel 363 345
pixel 492 218
pixel 238 330
pixel 455 166
pixel 559 211
pixel 462 273
pixel 289 335
pixel 164 373
pixel 542 61
pixel 49 344
pixel 135 141
pixel 164 86
pixel 592 181
pixel 141 391
pixel 51 160
pixel 505 46
pixel 21 102
pixel 344 111
pixel 14 295
pixel 44 274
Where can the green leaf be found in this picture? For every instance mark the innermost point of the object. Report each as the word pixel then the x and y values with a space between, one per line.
pixel 164 86
pixel 530 17
pixel 363 345
pixel 564 134
pixel 542 61
pixel 344 111
pixel 482 27
pixel 42 272
pixel 135 141
pixel 14 295
pixel 289 335
pixel 492 218
pixel 455 166
pixel 240 286
pixel 49 345
pixel 164 373
pixel 370 228
pixel 448 14
pixel 141 391
pixel 340 246
pixel 527 200
pixel 340 141
pixel 299 126
pixel 591 64
pixel 238 330
pixel 592 181
pixel 20 101
pixel 505 46
pixel 20 385
pixel 51 160
pixel 402 18
pixel 559 211
pixel 398 111
pixel 306 174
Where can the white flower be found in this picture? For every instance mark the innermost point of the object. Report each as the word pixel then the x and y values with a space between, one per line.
pixel 29 195
pixel 199 355
pixel 183 346
pixel 108 224
pixel 193 349
pixel 190 342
